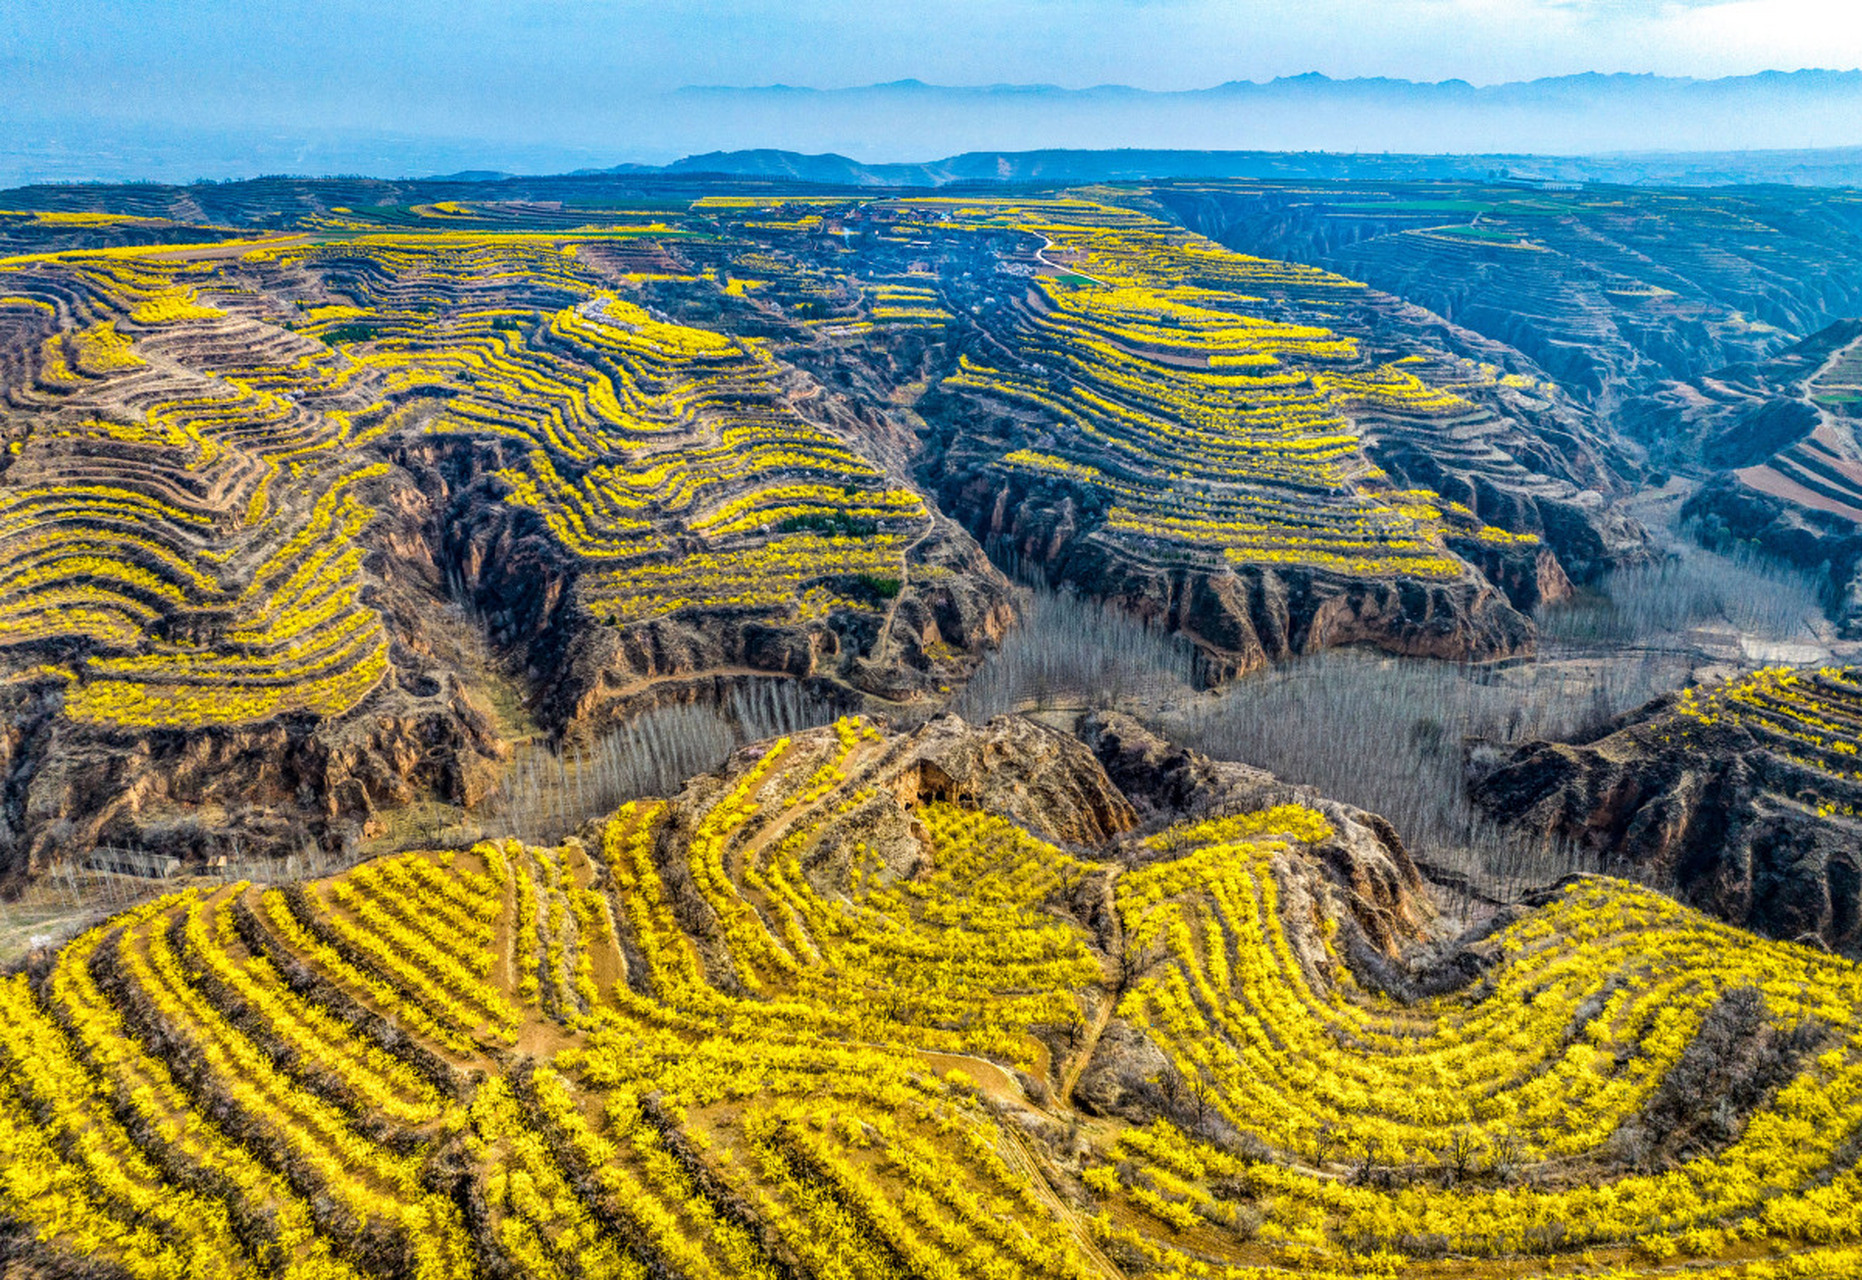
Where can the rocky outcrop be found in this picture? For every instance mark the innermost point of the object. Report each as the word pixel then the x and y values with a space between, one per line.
pixel 1045 780
pixel 1723 815
pixel 1529 573
pixel 1365 875
pixel 292 785
pixel 1585 530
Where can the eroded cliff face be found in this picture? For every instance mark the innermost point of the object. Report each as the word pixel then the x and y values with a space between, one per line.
pixel 287 787
pixel 1774 445
pixel 1731 816
pixel 1244 616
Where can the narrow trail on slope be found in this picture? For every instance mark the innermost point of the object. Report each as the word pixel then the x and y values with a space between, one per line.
pixel 1078 1062
pixel 1029 1165
pixel 883 640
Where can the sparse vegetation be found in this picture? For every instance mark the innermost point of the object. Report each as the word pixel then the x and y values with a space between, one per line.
pixel 1658 604
pixel 548 794
pixel 1069 653
pixel 1392 735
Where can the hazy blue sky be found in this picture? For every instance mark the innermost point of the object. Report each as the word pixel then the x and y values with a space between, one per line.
pixel 566 71
pixel 432 58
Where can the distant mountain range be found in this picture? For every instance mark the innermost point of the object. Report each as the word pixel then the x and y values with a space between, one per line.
pixel 1568 115
pixel 1823 167
pixel 886 129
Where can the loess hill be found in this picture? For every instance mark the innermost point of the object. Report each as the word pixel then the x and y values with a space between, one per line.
pixel 1778 438
pixel 1744 794
pixel 1713 331
pixel 868 1004
pixel 1615 291
pixel 317 495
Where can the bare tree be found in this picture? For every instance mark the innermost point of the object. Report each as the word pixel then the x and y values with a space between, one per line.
pixel 1460 1155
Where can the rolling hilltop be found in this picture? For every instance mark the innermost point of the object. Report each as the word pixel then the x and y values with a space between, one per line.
pixel 872 1005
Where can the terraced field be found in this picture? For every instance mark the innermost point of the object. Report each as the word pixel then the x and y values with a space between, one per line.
pixel 180 515
pixel 1610 290
pixel 1839 383
pixel 831 1013
pixel 1819 473
pixel 232 500
pixel 269 488
pixel 1201 425
pixel 1816 716
pixel 634 441
pixel 1191 430
pixel 633 431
